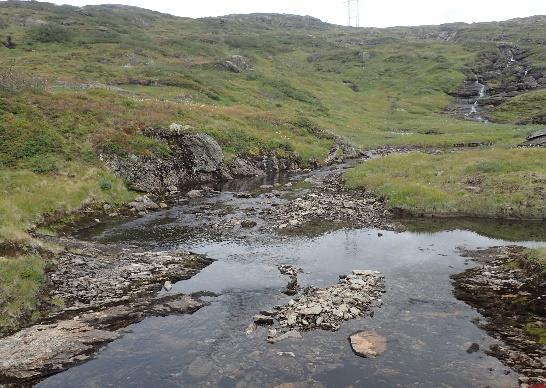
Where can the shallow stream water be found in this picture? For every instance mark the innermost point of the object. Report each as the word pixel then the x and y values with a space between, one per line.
pixel 428 331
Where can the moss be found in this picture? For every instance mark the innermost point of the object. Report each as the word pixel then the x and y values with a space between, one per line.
pixel 536 331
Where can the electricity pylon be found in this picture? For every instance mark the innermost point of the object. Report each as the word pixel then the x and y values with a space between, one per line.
pixel 353 12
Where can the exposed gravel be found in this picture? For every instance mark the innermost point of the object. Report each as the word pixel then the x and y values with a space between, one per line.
pixel 326 308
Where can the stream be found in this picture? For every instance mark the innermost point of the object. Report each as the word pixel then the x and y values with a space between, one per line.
pixel 428 331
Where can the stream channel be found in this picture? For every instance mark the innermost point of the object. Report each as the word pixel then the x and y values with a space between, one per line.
pixel 428 331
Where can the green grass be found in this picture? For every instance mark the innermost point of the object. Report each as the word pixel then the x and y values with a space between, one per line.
pixel 539 332
pixel 20 281
pixel 25 196
pixel 493 182
pixel 525 108
pixel 537 259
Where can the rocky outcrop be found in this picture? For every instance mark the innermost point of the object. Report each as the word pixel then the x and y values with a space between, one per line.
pixel 248 166
pixel 91 276
pixel 499 76
pixel 194 158
pixel 535 139
pixel 98 290
pixel 509 292
pixel 42 350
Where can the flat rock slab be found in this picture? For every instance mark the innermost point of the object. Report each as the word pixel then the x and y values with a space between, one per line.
pixel 89 275
pixel 42 350
pixel 368 344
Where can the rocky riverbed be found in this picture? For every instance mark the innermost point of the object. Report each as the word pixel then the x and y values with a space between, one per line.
pixel 98 290
pixel 355 295
pixel 512 298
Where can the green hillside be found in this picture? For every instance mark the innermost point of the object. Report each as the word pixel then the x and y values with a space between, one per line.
pixel 78 82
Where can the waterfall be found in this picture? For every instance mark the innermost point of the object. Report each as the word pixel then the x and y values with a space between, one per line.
pixel 474 108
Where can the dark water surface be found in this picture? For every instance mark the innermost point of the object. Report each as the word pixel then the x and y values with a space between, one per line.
pixel 427 329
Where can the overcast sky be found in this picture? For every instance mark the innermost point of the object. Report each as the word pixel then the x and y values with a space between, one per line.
pixel 377 13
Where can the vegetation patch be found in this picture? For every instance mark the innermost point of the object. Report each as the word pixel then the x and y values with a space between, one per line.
pixel 21 279
pixel 491 183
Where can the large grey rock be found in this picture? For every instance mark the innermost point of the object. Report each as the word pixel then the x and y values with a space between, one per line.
pixel 203 153
pixel 236 64
pixel 194 158
pixel 536 139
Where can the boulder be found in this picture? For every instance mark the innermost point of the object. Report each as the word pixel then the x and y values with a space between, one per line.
pixel 194 158
pixel 536 139
pixel 236 64
pixel 368 344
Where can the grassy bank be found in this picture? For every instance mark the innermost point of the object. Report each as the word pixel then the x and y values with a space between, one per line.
pixel 491 183
pixel 537 259
pixel 21 278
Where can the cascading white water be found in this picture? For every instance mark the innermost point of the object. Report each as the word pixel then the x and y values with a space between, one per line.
pixel 474 108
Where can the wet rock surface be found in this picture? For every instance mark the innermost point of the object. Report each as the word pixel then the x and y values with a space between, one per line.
pixel 511 297
pixel 500 75
pixel 326 308
pixel 90 275
pixel 41 350
pixel 99 289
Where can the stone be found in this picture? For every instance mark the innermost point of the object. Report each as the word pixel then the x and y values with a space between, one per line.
pixel 260 319
pixel 163 205
pixel 195 194
pixel 291 319
pixel 251 329
pixel 311 310
pixel 167 285
pixel 473 348
pixel 236 64
pixel 248 224
pixel 368 344
pixel 292 334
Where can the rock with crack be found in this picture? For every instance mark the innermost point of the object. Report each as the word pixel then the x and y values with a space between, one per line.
pixel 353 296
pixel 368 344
